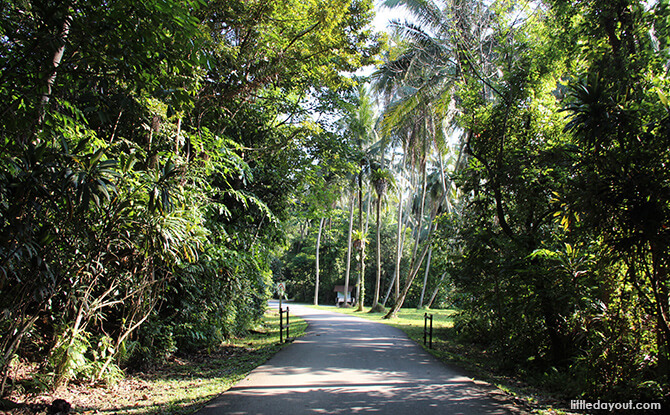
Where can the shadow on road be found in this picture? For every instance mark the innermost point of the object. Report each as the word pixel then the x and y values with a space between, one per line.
pixel 345 364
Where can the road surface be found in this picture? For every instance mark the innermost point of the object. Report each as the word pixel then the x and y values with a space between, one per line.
pixel 348 365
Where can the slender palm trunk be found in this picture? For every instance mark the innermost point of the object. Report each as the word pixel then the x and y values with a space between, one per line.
pixel 378 282
pixel 443 180
pixel 361 279
pixel 446 184
pixel 388 291
pixel 121 339
pixel 367 214
pixel 318 243
pixel 402 232
pixel 393 312
pixel 351 227
pixel 177 139
pixel 425 277
pixel 420 219
pixel 437 289
pixel 398 257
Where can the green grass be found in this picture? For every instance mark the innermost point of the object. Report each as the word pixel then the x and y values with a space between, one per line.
pixel 409 320
pixel 186 384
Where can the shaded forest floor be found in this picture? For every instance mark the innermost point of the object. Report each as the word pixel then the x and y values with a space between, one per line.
pixel 484 367
pixel 183 385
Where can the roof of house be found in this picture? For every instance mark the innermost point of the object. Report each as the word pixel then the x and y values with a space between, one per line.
pixel 340 288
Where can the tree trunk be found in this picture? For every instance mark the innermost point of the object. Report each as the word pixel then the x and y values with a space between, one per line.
pixel 378 282
pixel 55 63
pixel 177 139
pixel 351 227
pixel 388 291
pixel 443 181
pixel 401 246
pixel 425 277
pixel 361 279
pixel 304 227
pixel 659 280
pixel 396 279
pixel 10 345
pixel 318 243
pixel 393 312
pixel 420 219
pixel 121 339
pixel 437 289
pixel 367 215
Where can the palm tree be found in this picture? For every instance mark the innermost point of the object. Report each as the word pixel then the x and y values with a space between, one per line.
pixel 359 123
pixel 439 200
pixel 402 224
pixel 317 271
pixel 433 56
pixel 381 180
pixel 361 234
pixel 349 243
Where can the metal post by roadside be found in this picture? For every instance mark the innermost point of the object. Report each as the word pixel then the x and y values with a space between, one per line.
pixel 281 291
pixel 430 344
pixel 428 331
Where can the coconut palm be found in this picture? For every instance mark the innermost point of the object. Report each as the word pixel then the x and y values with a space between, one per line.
pixel 419 81
pixel 359 124
pixel 381 179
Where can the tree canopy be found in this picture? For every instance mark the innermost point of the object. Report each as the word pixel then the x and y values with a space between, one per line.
pixel 150 153
pixel 530 143
pixel 164 162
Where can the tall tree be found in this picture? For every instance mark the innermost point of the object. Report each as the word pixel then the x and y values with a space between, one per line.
pixel 358 123
pixel 381 180
pixel 318 245
pixel 120 182
pixel 621 190
pixel 349 246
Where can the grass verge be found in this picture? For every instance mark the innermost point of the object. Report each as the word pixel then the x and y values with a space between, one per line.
pixel 477 363
pixel 182 386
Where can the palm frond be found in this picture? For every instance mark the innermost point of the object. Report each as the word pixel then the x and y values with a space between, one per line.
pixel 427 13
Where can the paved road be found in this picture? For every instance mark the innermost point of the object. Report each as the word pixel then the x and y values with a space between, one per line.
pixel 375 369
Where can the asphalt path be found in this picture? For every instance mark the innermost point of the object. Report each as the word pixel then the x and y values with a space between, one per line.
pixel 348 365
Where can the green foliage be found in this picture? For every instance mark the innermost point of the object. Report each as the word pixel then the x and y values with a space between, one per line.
pixel 382 180
pixel 299 259
pixel 154 346
pixel 557 249
pixel 68 356
pixel 79 356
pixel 141 142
